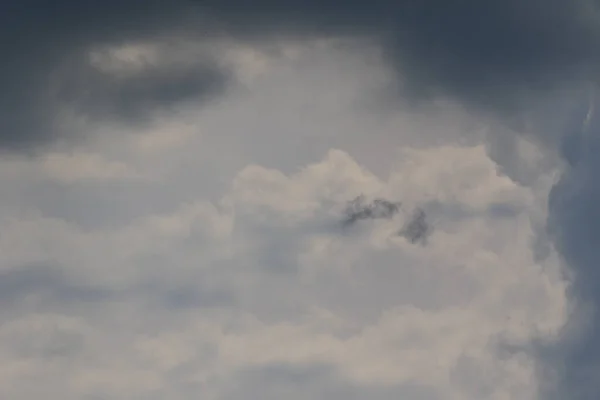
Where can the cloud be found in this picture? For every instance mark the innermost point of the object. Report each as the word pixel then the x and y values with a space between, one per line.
pixel 416 229
pixel 76 167
pixel 317 382
pixel 487 54
pixel 572 204
pixel 136 95
pixel 74 60
pixel 46 281
pixel 198 297
pixel 357 210
pixel 225 266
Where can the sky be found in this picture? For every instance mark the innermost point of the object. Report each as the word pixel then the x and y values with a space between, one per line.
pixel 299 199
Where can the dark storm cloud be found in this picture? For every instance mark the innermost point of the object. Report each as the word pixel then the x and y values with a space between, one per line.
pixel 485 52
pixel 44 47
pixel 134 98
pixel 574 222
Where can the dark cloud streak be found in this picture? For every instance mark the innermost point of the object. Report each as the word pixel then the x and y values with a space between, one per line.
pixel 357 210
pixel 44 47
pixel 48 282
pixel 136 98
pixel 417 229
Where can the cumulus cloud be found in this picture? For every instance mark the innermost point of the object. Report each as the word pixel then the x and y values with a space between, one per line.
pixel 250 295
pixel 222 266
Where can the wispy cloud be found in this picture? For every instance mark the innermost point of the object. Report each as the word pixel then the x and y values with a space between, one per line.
pixel 359 209
pixel 417 229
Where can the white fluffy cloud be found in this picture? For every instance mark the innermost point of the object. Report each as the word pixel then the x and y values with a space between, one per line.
pixel 206 256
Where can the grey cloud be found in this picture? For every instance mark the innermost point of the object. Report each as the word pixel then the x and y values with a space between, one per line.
pixel 182 296
pixel 357 210
pixel 45 48
pixel 135 98
pixel 574 212
pixel 488 53
pixel 417 229
pixel 46 287
pixel 314 381
pixel 502 210
pixel 456 211
pixel 57 343
pixel 46 281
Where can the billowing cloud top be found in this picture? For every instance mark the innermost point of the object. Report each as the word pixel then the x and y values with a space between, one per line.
pixel 176 178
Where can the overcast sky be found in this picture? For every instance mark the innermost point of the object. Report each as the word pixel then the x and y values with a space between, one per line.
pixel 177 183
